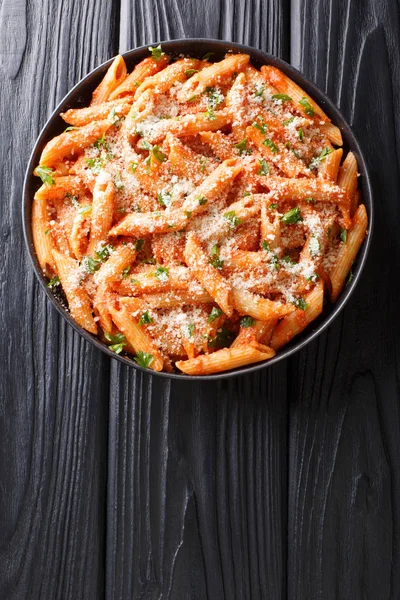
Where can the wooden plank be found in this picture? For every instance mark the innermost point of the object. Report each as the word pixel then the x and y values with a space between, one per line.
pixel 53 385
pixel 197 472
pixel 344 488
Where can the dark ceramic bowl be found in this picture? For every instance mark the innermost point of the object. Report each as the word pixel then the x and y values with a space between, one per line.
pixel 80 96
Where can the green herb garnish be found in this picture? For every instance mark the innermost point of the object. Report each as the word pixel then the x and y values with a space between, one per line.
pixel 292 216
pixel 54 282
pixel 242 147
pixel 308 109
pixel 300 303
pixel 144 359
pixel 156 53
pixel 214 314
pixel 233 220
pixel 215 260
pixel 270 144
pixel 264 167
pixel 283 97
pixel 343 235
pixel 246 321
pixel 162 273
pixel 118 341
pixel 45 174
pixel 318 159
pixel 145 319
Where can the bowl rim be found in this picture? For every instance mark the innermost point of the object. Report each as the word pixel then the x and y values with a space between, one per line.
pixel 317 94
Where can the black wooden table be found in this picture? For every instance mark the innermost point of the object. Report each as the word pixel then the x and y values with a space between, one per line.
pixel 284 484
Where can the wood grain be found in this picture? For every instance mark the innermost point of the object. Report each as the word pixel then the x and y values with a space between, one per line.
pixel 279 485
pixel 344 439
pixel 53 385
pixel 198 471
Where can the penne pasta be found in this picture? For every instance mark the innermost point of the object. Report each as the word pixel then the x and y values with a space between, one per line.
pixel 111 81
pixel 223 360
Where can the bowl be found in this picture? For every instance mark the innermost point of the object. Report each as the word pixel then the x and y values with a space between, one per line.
pixel 80 96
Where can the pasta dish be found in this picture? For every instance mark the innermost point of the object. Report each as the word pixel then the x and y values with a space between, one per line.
pixel 196 213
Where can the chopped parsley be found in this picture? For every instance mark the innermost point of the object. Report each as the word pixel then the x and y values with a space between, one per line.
pixel 288 121
pixel 350 276
pixel 214 97
pixel 264 167
pixel 101 143
pixel 156 53
pixel 343 235
pixel 126 272
pixel 308 109
pixel 202 200
pixel 85 209
pixel 210 114
pixel 70 128
pixel 232 219
pixel 260 124
pixel 91 265
pixel 288 260
pixel 118 182
pixel 145 319
pixel 118 341
pixel 164 198
pixel 270 144
pixel 134 166
pixel 242 148
pixel 292 216
pixel 144 359
pixel 300 133
pixel 283 97
pixel 54 282
pixel 300 303
pixel 265 246
pixel 203 163
pixel 208 55
pixel 95 164
pixel 188 214
pixel 162 273
pixel 314 246
pixel 104 252
pixel 158 154
pixel 272 206
pixel 214 314
pixel 318 159
pixel 259 90
pixel 274 262
pixel 215 260
pixel 190 72
pixel 45 174
pixel 246 321
pixel 310 201
pixel 190 329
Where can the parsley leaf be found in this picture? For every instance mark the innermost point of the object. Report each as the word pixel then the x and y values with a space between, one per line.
pixel 118 182
pixel 54 282
pixel 215 260
pixel 283 97
pixel 202 200
pixel 134 166
pixel 190 328
pixel 210 114
pixel 164 198
pixel 214 97
pixel 118 341
pixel 265 246
pixel 45 174
pixel 242 147
pixel 214 314
pixel 264 167
pixel 70 129
pixel 145 319
pixel 104 252
pixel 144 359
pixel 310 201
pixel 95 164
pixel 162 273
pixel 288 260
pixel 300 133
pixel 246 321
pixel 259 90
pixel 300 303
pixel 350 276
pixel 308 109
pixel 343 235
pixel 288 121
pixel 101 143
pixel 156 53
pixel 126 271
pixel 272 206
pixel 91 265
pixel 270 144
pixel 260 124
pixel 208 55
pixel 158 154
pixel 190 72
pixel 233 220
pixel 85 209
pixel 318 159
pixel 292 216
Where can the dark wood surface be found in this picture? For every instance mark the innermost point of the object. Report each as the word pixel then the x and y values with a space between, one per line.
pixel 284 484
